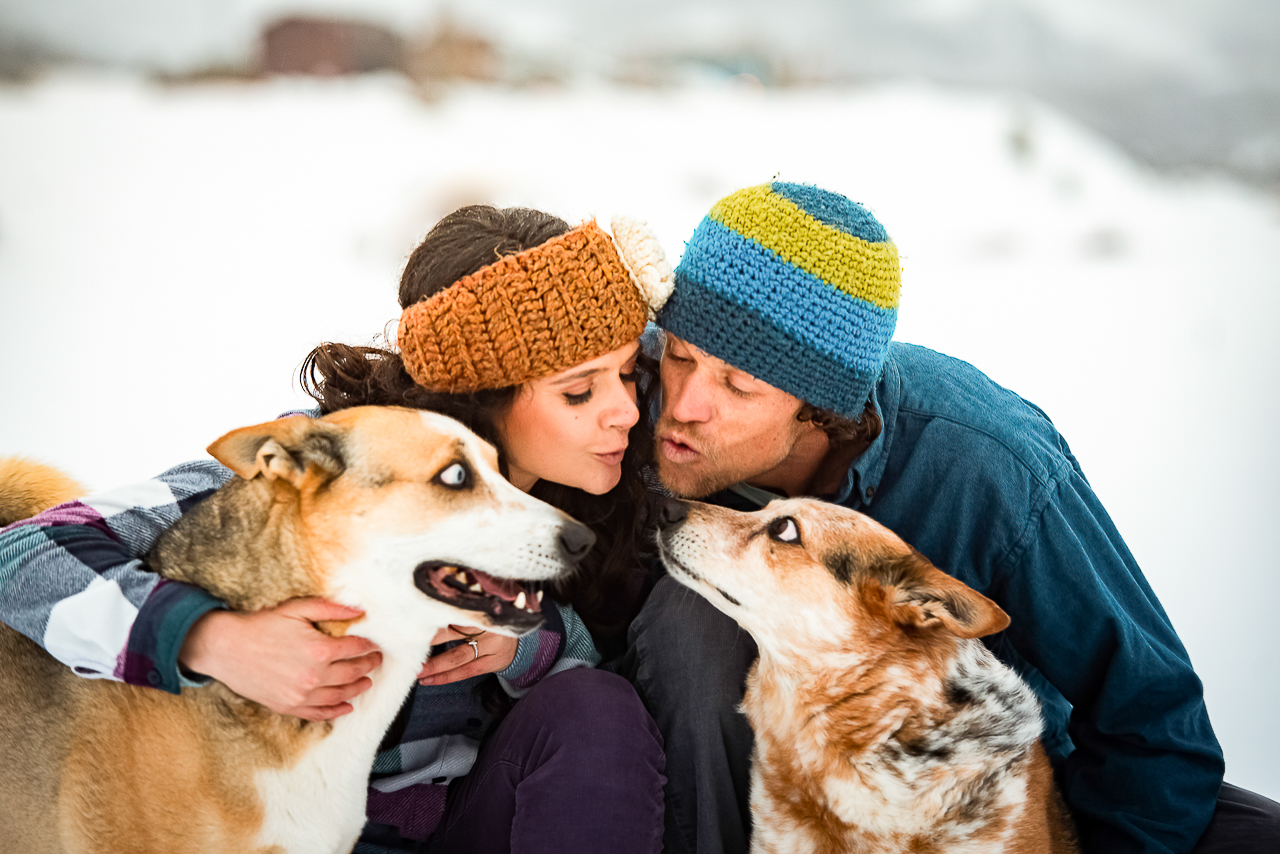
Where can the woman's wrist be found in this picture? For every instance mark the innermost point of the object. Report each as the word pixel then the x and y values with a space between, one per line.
pixel 199 652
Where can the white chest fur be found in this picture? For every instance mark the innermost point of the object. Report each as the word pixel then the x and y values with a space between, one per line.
pixel 317 806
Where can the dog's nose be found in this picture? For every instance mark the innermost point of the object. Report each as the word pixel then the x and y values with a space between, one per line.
pixel 576 539
pixel 672 512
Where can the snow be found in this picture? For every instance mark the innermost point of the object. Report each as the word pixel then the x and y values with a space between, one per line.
pixel 169 255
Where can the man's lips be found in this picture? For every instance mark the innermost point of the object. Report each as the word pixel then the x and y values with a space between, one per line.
pixel 677 450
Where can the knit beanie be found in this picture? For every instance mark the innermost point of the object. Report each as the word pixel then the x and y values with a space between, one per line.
pixel 535 313
pixel 795 285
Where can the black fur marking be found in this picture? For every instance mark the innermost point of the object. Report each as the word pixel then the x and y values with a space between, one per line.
pixel 842 565
pixel 925 748
pixel 958 695
pixel 727 596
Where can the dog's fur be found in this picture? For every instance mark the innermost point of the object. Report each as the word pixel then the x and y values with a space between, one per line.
pixel 881 724
pixel 364 507
pixel 27 487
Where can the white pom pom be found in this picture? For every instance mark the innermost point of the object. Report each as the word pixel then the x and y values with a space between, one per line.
pixel 644 259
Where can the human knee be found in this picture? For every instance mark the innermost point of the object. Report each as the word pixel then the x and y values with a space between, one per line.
pixel 592 707
pixel 685 648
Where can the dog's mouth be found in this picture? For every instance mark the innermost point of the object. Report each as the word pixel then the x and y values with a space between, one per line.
pixel 506 601
pixel 674 565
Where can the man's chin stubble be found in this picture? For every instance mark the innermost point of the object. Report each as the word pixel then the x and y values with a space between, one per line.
pixel 684 483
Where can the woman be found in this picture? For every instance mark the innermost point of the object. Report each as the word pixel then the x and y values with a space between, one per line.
pixel 560 433
pixel 526 331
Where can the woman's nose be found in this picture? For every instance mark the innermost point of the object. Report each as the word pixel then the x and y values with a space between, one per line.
pixel 622 411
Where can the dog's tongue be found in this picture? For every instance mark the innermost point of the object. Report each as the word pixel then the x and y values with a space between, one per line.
pixel 507 589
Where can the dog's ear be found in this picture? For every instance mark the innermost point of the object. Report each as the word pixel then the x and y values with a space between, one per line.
pixel 926 597
pixel 290 449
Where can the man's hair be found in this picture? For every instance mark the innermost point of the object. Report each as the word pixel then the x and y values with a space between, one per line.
pixel 844 432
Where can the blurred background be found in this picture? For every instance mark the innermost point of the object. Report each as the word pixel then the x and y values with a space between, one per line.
pixel 1085 194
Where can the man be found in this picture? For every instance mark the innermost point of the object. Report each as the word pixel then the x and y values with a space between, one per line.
pixel 779 379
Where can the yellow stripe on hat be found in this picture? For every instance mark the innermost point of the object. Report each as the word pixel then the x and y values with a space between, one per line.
pixel 860 268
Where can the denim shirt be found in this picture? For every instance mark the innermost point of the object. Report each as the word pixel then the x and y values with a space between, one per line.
pixel 982 484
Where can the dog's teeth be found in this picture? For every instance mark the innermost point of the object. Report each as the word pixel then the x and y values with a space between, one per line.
pixel 539 596
pixel 476 588
pixel 520 600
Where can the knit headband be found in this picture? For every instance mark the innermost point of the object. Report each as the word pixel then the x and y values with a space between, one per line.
pixel 537 312
pixel 795 285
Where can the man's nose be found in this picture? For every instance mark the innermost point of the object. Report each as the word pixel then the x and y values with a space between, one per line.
pixel 689 400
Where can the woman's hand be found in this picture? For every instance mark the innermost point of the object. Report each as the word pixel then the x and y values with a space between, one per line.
pixel 491 654
pixel 277 657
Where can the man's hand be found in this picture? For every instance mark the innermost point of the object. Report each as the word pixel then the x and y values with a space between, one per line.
pixel 491 654
pixel 277 657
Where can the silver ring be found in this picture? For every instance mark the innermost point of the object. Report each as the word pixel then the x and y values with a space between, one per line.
pixel 475 647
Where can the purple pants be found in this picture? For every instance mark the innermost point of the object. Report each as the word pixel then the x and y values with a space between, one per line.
pixel 576 766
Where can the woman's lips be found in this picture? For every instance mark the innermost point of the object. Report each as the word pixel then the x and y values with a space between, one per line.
pixel 612 458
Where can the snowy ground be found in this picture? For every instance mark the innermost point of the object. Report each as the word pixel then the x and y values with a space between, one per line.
pixel 168 256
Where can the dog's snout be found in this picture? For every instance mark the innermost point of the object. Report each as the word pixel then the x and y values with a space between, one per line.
pixel 672 512
pixel 576 539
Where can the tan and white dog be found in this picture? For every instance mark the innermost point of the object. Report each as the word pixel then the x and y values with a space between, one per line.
pixel 399 512
pixel 881 724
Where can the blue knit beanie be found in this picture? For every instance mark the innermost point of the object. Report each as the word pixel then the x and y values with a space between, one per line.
pixel 795 285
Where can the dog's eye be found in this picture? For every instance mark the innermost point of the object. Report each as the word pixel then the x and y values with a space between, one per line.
pixel 455 476
pixel 784 530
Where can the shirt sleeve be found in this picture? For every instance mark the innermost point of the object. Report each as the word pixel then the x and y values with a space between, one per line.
pixel 73 579
pixel 562 642
pixel 1146 768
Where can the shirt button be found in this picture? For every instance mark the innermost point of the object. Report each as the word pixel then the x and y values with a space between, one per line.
pixel 153 676
pixel 871 490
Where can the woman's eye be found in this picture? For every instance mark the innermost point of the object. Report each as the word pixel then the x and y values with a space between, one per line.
pixel 784 530
pixel 577 399
pixel 455 476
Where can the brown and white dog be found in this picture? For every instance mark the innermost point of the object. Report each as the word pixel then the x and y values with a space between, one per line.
pixel 881 724
pixel 398 512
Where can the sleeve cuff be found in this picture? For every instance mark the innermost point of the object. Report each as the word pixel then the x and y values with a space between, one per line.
pixel 536 653
pixel 151 657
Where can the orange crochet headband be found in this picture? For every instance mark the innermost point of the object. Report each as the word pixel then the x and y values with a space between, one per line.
pixel 537 312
